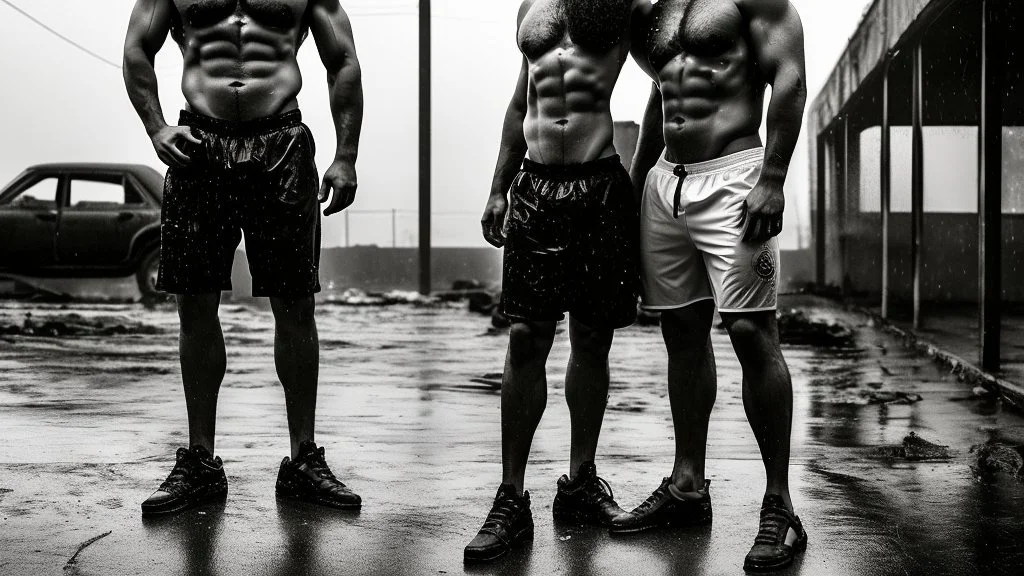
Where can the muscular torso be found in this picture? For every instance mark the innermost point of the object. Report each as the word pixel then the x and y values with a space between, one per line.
pixel 700 54
pixel 575 50
pixel 240 55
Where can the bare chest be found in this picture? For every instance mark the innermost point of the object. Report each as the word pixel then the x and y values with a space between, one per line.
pixel 596 26
pixel 700 28
pixel 275 14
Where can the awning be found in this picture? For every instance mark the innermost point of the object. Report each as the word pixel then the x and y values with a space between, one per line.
pixel 885 25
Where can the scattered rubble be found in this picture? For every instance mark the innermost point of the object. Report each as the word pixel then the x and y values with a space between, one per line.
pixel 994 458
pixel 914 448
pixel 796 327
pixel 889 398
pixel 69 325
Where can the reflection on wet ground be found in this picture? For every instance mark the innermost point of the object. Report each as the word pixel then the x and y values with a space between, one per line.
pixel 409 410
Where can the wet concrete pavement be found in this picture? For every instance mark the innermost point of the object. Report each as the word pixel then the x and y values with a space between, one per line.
pixel 410 421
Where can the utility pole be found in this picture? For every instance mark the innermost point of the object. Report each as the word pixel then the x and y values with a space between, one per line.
pixel 424 147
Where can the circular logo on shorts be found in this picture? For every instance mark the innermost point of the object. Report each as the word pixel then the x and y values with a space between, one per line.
pixel 764 263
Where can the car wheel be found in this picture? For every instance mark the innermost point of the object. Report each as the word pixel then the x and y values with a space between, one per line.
pixel 147 274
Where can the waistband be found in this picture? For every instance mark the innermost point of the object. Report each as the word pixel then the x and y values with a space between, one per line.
pixel 606 165
pixel 263 125
pixel 742 159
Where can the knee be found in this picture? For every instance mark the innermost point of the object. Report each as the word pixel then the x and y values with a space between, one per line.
pixel 529 342
pixel 197 314
pixel 590 342
pixel 297 314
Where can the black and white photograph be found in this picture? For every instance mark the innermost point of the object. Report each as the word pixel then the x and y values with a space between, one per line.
pixel 512 287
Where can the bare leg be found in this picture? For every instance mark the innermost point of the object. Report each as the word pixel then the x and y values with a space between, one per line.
pixel 203 362
pixel 524 394
pixel 586 390
pixel 297 356
pixel 767 392
pixel 692 388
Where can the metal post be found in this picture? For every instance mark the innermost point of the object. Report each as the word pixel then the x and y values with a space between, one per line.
pixel 990 173
pixel 347 212
pixel 917 186
pixel 394 238
pixel 842 200
pixel 424 207
pixel 886 184
pixel 819 232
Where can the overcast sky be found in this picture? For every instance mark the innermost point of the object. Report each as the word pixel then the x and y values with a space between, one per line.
pixel 60 104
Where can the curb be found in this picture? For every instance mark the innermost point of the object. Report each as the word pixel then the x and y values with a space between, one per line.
pixel 968 372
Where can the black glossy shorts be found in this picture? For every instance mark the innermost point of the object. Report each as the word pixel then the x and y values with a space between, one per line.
pixel 572 245
pixel 256 177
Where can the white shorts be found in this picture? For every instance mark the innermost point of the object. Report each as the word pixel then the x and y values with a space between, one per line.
pixel 701 254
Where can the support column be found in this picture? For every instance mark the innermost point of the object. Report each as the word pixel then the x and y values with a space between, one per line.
pixel 425 155
pixel 990 185
pixel 886 183
pixel 819 224
pixel 917 183
pixel 842 201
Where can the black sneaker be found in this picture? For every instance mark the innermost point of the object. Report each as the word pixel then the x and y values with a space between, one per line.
pixel 586 500
pixel 779 539
pixel 667 507
pixel 197 478
pixel 309 479
pixel 508 524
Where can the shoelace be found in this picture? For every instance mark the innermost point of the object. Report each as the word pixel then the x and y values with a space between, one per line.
pixel 600 491
pixel 773 521
pixel 179 473
pixel 653 498
pixel 318 465
pixel 501 512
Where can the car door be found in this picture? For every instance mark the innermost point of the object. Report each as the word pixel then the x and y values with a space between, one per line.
pixel 28 224
pixel 100 216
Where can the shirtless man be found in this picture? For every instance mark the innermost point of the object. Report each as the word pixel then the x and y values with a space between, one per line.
pixel 241 159
pixel 712 207
pixel 569 229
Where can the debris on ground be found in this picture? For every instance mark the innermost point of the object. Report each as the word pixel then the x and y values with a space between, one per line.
pixel 892 398
pixel 356 297
pixel 796 327
pixel 914 448
pixel 68 325
pixel 492 379
pixel 996 457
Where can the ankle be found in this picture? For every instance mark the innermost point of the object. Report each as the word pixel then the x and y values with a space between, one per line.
pixel 783 493
pixel 688 482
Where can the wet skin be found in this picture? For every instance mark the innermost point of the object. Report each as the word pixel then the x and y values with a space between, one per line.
pixel 239 56
pixel 560 109
pixel 568 117
pixel 710 62
pixel 712 94
pixel 240 64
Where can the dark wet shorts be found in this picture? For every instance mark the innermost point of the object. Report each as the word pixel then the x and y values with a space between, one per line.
pixel 572 245
pixel 257 178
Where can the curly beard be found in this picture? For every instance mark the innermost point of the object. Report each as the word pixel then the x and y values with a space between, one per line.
pixel 597 25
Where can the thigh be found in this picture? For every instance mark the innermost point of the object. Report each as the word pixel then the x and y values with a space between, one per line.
pixel 538 233
pixel 606 254
pixel 743 275
pixel 199 231
pixel 282 218
pixel 674 273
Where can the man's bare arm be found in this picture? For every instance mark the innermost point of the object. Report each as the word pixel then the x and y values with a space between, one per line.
pixel 147 30
pixel 332 32
pixel 778 40
pixel 511 153
pixel 651 142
